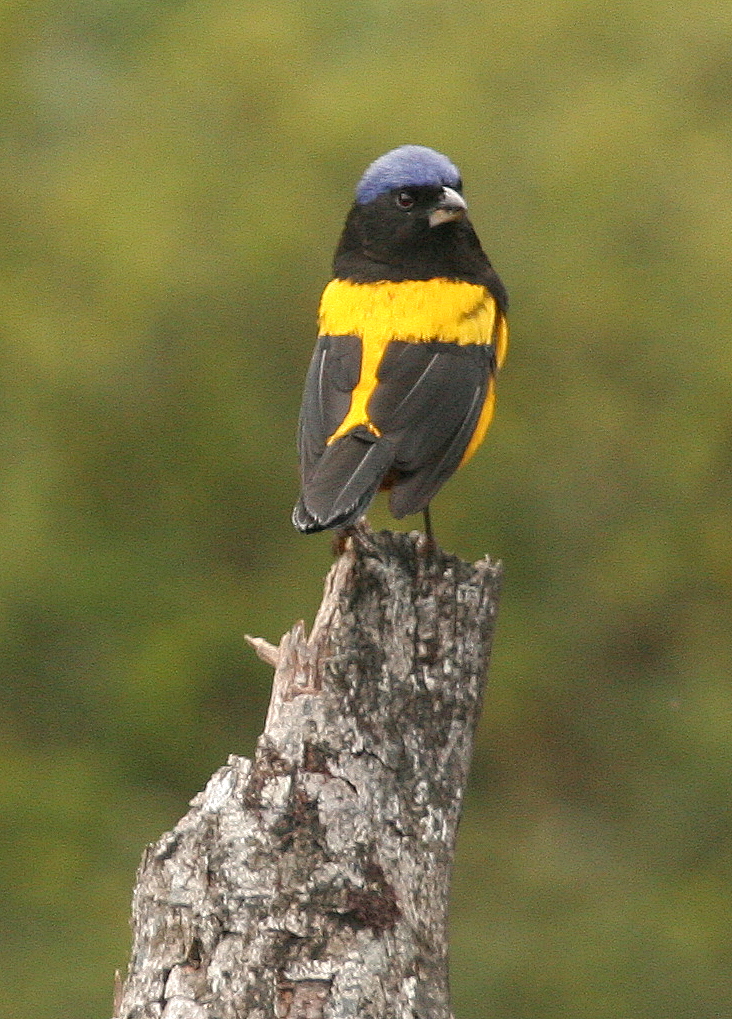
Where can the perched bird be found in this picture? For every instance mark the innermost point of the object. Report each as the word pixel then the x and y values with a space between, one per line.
pixel 412 329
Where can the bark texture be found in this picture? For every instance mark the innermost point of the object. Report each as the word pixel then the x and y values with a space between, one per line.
pixel 313 881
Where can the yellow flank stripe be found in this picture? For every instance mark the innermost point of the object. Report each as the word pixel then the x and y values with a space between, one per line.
pixel 413 311
pixel 486 416
pixel 501 340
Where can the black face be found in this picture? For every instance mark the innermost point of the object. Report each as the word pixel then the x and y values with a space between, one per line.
pixel 391 238
pixel 396 224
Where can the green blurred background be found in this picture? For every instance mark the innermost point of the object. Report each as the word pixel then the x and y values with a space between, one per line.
pixel 173 178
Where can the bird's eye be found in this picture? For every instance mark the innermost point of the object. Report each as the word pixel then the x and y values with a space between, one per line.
pixel 405 200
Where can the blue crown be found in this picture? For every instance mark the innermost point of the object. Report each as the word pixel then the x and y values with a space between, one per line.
pixel 407 166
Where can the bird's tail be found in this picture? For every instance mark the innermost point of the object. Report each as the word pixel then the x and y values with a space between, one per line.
pixel 343 482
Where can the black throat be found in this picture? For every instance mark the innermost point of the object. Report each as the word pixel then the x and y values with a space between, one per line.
pixel 375 247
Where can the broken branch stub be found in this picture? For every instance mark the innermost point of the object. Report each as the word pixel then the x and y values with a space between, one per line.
pixel 313 881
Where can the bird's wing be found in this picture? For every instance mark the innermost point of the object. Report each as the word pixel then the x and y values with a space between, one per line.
pixel 340 478
pixel 427 402
pixel 332 376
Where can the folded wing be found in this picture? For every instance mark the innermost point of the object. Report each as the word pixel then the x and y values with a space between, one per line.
pixel 426 402
pixel 339 480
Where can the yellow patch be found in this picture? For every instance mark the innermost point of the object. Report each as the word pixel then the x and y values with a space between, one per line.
pixel 486 416
pixel 501 340
pixel 413 311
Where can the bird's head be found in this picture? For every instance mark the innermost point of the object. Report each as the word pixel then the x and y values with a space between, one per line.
pixel 409 221
pixel 413 183
pixel 409 191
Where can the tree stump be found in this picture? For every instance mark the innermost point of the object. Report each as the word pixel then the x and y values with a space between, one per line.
pixel 313 881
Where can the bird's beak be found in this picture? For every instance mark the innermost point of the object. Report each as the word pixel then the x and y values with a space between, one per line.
pixel 450 206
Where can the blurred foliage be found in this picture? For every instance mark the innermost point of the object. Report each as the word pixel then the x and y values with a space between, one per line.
pixel 173 177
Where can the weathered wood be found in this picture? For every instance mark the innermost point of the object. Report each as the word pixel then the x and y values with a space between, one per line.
pixel 313 881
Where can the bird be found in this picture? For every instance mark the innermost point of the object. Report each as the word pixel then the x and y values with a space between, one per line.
pixel 412 330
